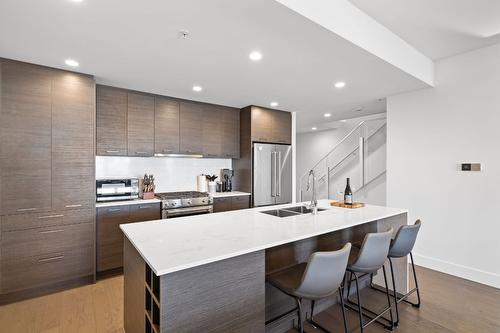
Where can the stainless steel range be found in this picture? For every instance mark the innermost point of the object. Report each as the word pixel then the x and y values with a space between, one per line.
pixel 175 204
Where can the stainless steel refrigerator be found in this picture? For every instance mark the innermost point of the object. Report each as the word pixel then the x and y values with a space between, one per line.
pixel 272 174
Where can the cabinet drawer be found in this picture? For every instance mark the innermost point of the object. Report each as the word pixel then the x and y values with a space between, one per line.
pixel 145 212
pixel 38 220
pixel 46 269
pixel 222 204
pixel 241 202
pixel 32 242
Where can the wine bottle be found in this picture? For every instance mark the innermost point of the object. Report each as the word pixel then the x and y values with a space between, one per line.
pixel 348 193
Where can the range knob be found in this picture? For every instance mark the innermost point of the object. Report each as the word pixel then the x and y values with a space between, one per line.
pixel 189 202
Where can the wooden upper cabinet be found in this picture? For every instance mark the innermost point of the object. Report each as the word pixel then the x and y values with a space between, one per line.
pixel 271 126
pixel 212 131
pixel 25 138
pixel 191 128
pixel 282 127
pixel 111 107
pixel 140 124
pixel 73 115
pixel 262 124
pixel 230 133
pixel 166 121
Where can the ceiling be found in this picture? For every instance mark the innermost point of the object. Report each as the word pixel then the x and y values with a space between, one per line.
pixel 139 47
pixel 438 28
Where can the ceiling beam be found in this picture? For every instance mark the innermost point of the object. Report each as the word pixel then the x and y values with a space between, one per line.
pixel 349 22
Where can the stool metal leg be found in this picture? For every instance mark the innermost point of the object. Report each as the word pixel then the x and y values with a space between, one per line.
pixel 371 315
pixel 396 323
pixel 388 298
pixel 360 308
pixel 404 297
pixel 299 314
pixel 344 317
pixel 417 305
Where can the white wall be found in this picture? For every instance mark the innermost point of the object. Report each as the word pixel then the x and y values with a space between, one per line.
pixel 172 174
pixel 430 132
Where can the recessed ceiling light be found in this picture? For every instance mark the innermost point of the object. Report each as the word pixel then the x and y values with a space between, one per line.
pixel 339 84
pixel 197 88
pixel 314 128
pixel 359 109
pixel 343 121
pixel 274 104
pixel 76 0
pixel 71 62
pixel 327 115
pixel 255 56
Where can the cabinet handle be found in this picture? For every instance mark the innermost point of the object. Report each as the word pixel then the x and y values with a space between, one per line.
pixel 73 206
pixel 144 207
pixel 26 209
pixel 50 259
pixel 51 231
pixel 168 150
pixel 141 152
pixel 50 217
pixel 114 209
pixel 112 151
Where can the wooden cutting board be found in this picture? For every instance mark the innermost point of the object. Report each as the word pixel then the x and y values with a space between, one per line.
pixel 343 205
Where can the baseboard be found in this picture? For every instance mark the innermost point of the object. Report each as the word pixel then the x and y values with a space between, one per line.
pixel 468 273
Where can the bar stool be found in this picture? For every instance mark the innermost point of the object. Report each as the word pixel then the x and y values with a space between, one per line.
pixel 401 246
pixel 368 260
pixel 321 277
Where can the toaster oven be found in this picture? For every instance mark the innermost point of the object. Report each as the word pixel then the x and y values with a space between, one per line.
pixel 117 189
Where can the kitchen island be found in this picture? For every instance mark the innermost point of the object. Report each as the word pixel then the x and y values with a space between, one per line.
pixel 206 273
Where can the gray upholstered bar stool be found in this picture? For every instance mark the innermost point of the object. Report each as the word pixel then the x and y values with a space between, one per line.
pixel 401 246
pixel 370 257
pixel 321 277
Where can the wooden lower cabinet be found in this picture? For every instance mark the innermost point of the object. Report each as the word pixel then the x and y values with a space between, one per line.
pixel 109 235
pixel 225 204
pixel 42 250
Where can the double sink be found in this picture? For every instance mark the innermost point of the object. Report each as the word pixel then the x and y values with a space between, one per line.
pixel 292 211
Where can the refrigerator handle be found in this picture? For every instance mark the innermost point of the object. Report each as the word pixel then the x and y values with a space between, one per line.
pixel 273 174
pixel 278 166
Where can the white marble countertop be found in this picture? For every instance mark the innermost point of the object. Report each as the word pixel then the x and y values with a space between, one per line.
pixel 229 194
pixel 126 202
pixel 172 245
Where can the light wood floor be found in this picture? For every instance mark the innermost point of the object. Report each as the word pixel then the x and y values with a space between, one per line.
pixel 450 304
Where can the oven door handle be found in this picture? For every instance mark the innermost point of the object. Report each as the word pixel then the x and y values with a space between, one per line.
pixel 187 211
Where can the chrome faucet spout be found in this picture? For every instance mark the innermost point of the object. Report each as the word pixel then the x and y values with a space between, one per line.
pixel 314 201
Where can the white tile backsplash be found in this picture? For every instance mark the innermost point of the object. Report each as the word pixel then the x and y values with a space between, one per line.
pixel 171 174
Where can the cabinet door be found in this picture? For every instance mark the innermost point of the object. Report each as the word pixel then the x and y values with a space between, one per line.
pixel 25 133
pixel 166 126
pixel 111 110
pixel 240 202
pixel 212 135
pixel 110 237
pixel 230 133
pixel 262 125
pixel 222 204
pixel 145 212
pixel 191 128
pixel 140 124
pixel 72 141
pixel 282 127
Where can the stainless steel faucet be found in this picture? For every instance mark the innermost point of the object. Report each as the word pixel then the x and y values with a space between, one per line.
pixel 314 202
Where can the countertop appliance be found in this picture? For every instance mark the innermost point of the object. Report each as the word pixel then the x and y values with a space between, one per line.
pixel 117 189
pixel 175 204
pixel 227 180
pixel 272 174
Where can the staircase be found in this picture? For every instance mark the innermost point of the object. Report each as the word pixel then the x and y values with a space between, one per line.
pixel 360 155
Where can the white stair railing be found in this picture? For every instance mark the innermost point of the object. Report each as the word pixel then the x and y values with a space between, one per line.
pixel 360 155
